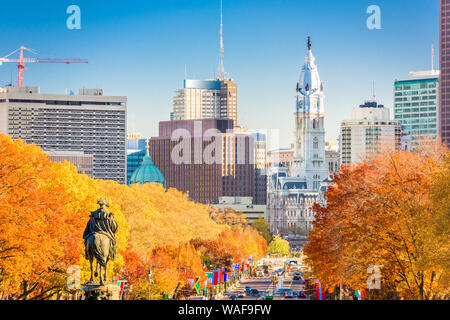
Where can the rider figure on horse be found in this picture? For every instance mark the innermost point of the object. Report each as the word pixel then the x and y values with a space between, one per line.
pixel 101 223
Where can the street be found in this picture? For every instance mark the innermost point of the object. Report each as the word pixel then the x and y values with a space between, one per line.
pixel 264 284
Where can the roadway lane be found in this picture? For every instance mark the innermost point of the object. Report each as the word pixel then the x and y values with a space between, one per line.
pixel 265 284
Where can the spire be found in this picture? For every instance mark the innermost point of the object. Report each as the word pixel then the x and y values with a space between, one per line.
pixel 309 43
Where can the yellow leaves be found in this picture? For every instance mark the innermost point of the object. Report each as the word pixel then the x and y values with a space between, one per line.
pixel 44 208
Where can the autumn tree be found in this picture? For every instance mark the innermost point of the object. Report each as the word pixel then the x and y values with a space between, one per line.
pixel 263 228
pixel 388 212
pixel 279 246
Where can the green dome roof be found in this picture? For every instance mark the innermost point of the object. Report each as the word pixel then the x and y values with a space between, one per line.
pixel 147 172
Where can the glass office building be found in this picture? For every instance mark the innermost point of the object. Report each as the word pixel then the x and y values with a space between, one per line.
pixel 134 161
pixel 416 105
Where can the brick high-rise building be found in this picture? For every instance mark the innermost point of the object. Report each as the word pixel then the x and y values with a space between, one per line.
pixel 190 164
pixel 444 60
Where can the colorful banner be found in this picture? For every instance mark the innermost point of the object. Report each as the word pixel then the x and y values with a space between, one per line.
pixel 216 277
pixel 121 284
pixel 209 280
pixel 225 277
pixel 197 285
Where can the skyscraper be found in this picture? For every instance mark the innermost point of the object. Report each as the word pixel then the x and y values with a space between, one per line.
pixel 203 99
pixel 89 123
pixel 206 167
pixel 416 104
pixel 444 60
pixel 368 132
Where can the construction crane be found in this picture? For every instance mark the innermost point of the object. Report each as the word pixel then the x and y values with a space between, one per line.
pixel 21 61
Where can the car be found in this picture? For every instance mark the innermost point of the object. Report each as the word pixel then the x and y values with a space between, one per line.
pixel 233 297
pixel 197 298
pixel 248 288
pixel 283 292
pixel 241 295
pixel 254 292
pixel 302 294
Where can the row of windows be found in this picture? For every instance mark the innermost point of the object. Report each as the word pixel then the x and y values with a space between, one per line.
pixel 415 86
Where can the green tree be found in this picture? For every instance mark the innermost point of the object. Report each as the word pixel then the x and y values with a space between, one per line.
pixel 278 245
pixel 263 228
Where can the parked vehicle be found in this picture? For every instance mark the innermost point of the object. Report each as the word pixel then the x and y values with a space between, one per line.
pixel 254 292
pixel 297 277
pixel 197 298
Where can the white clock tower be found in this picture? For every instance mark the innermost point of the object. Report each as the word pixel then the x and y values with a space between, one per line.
pixel 309 156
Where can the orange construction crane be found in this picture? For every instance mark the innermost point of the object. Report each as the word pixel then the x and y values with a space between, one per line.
pixel 21 61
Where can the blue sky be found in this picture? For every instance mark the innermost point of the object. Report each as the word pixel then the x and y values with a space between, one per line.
pixel 140 48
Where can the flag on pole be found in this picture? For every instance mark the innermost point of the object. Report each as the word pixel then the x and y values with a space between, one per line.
pixel 197 285
pixel 121 284
pixel 209 280
pixel 225 277
pixel 216 277
pixel 191 283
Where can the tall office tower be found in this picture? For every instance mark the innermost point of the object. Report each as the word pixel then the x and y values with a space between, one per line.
pixel 88 122
pixel 205 99
pixel 368 132
pixel 260 152
pixel 199 99
pixel 444 61
pixel 228 100
pixel 332 158
pixel 416 104
pixel 204 158
pixel 260 161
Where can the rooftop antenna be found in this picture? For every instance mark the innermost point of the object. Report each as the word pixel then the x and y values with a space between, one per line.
pixel 185 72
pixel 373 91
pixel 432 57
pixel 221 74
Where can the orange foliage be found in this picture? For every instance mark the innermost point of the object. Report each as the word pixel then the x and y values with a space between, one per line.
pixel 384 212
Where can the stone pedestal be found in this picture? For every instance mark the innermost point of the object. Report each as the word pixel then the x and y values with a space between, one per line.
pixel 94 291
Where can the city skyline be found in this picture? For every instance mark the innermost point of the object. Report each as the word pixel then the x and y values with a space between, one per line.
pixel 136 53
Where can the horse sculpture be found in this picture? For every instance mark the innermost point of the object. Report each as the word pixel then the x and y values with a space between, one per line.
pixel 100 240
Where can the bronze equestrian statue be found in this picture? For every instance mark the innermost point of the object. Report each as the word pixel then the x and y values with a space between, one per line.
pixel 100 240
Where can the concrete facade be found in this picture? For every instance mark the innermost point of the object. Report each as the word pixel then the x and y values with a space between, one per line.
pixel 88 122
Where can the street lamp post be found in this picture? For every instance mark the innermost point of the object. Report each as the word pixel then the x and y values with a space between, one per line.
pixel 149 281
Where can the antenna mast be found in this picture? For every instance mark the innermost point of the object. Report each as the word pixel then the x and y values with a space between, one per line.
pixel 221 74
pixel 432 57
